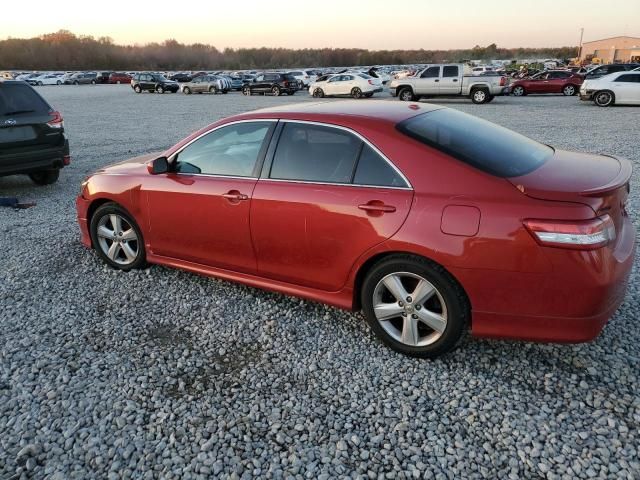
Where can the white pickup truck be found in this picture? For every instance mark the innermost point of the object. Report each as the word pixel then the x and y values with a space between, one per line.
pixel 449 80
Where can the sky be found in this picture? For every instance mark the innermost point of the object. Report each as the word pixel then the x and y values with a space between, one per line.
pixel 372 24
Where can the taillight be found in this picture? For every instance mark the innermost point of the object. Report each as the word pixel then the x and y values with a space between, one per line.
pixel 370 82
pixel 503 81
pixel 56 120
pixel 579 234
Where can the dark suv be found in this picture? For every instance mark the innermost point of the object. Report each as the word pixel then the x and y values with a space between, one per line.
pixel 32 139
pixel 273 83
pixel 153 82
pixel 603 70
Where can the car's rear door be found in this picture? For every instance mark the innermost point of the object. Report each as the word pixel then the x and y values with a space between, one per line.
pixel 450 80
pixel 324 198
pixel 199 212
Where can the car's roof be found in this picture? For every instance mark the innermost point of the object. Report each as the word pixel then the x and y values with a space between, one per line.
pixel 376 109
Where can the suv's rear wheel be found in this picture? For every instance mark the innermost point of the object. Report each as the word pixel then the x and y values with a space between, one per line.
pixel 45 177
pixel 275 91
pixel 415 306
pixel 137 89
pixel 117 238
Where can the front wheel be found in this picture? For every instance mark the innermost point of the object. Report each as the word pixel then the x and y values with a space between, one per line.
pixel 569 90
pixel 40 84
pixel 58 82
pixel 518 91
pixel 480 96
pixel 46 177
pixel 356 92
pixel 93 82
pixel 117 238
pixel 415 306
pixel 137 89
pixel 186 90
pixel 603 98
pixel 160 89
pixel 275 91
pixel 318 93
pixel 246 91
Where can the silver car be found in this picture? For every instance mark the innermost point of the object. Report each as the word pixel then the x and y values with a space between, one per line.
pixel 207 83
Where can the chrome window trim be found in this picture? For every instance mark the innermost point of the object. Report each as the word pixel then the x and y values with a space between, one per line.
pixel 173 156
pixel 311 182
pixel 407 186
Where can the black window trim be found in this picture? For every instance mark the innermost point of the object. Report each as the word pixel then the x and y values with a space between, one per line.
pixel 266 170
pixel 259 161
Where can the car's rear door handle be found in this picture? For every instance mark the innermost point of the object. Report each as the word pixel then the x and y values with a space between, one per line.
pixel 235 195
pixel 377 207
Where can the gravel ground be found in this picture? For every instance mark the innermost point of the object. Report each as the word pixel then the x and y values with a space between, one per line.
pixel 165 374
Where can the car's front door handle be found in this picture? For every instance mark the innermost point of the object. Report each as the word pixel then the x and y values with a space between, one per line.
pixel 235 195
pixel 377 207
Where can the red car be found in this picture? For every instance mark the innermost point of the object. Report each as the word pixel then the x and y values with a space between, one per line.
pixel 555 81
pixel 430 220
pixel 119 77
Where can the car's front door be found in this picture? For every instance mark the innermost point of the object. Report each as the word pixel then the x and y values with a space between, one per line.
pixel 324 198
pixel 199 211
pixel 429 83
pixel 333 85
pixel 626 87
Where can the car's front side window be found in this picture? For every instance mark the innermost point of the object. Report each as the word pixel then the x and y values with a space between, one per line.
pixel 315 153
pixel 232 150
pixel 431 72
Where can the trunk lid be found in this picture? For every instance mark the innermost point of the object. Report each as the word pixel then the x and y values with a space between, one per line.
pixel 600 181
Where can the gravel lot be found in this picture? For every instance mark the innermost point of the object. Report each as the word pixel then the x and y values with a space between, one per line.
pixel 165 374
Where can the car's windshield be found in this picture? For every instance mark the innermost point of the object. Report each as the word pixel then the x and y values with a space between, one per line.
pixel 482 144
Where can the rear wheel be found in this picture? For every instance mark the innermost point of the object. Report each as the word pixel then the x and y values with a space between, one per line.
pixel 58 82
pixel 481 95
pixel 569 90
pixel 318 93
pixel 93 82
pixel 518 91
pixel 356 92
pixel 406 95
pixel 415 306
pixel 603 98
pixel 275 91
pixel 40 84
pixel 45 177
pixel 117 238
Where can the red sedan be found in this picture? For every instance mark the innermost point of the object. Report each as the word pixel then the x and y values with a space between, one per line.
pixel 559 81
pixel 430 220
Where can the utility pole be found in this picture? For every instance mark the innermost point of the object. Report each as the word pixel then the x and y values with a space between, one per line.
pixel 580 47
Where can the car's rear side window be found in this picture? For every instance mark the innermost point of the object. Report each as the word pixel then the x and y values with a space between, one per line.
pixel 18 97
pixel 315 153
pixel 479 143
pixel 372 169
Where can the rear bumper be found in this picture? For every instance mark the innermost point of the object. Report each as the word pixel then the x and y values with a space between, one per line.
pixel 570 304
pixel 82 208
pixel 35 159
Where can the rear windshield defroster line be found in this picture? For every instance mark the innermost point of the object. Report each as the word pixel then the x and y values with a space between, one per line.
pixel 488 147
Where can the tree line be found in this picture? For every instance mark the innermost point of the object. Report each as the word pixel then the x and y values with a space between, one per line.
pixel 64 50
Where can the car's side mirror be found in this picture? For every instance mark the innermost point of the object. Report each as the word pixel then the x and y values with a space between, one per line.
pixel 158 166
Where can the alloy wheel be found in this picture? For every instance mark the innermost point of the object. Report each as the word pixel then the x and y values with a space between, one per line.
pixel 569 90
pixel 518 91
pixel 479 96
pixel 410 309
pixel 118 239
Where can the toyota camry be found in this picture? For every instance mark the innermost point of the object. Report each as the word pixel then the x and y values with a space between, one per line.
pixel 431 221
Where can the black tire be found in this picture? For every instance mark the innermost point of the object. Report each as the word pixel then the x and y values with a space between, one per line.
pixel 40 84
pixel 186 90
pixel 160 89
pixel 518 91
pixel 93 82
pixel 45 177
pixel 318 93
pixel 246 91
pixel 76 82
pixel 114 208
pixel 58 82
pixel 406 95
pixel 356 93
pixel 604 98
pixel 137 89
pixel 456 304
pixel 275 91
pixel 480 95
pixel 368 95
pixel 213 90
pixel 224 92
pixel 569 90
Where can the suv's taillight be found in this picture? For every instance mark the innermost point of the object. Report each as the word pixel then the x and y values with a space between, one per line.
pixel 56 120
pixel 503 81
pixel 579 234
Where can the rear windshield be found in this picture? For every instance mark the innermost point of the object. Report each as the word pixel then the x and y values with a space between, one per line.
pixel 483 145
pixel 289 78
pixel 16 98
